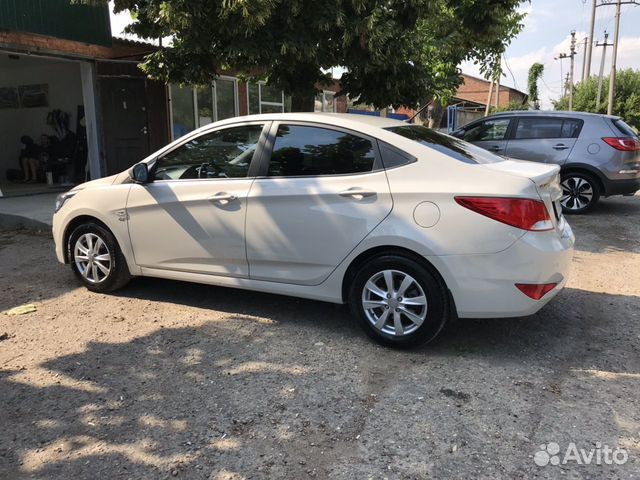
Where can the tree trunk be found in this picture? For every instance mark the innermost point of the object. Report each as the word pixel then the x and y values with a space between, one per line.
pixel 302 101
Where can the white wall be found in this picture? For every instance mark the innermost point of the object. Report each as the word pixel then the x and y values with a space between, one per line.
pixel 65 93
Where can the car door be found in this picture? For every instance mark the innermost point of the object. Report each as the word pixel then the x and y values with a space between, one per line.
pixel 490 134
pixel 543 139
pixel 191 216
pixel 322 191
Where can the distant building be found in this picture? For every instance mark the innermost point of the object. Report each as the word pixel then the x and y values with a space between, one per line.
pixel 476 90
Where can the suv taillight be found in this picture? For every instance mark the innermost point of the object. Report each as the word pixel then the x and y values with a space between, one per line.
pixel 524 213
pixel 625 144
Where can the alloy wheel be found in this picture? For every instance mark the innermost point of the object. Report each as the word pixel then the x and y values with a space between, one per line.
pixel 577 193
pixel 394 302
pixel 92 258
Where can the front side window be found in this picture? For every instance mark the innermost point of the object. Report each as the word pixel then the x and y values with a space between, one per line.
pixel 221 154
pixel 303 151
pixel 488 130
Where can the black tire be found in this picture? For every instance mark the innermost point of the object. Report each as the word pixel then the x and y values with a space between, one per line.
pixel 580 192
pixel 118 275
pixel 436 309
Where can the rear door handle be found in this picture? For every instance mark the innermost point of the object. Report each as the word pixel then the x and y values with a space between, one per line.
pixel 495 148
pixel 560 146
pixel 357 193
pixel 223 198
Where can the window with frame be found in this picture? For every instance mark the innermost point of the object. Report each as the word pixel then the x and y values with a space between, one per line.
pixel 263 98
pixel 224 153
pixel 487 130
pixel 193 107
pixel 304 150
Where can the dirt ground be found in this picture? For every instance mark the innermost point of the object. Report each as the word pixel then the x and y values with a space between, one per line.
pixel 176 380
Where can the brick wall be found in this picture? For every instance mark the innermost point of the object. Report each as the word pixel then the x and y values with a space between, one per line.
pixel 42 44
pixel 477 90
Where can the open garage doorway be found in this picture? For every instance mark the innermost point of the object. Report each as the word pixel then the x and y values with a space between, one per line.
pixel 44 123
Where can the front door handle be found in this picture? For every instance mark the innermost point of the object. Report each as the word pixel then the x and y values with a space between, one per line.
pixel 495 148
pixel 357 193
pixel 223 198
pixel 560 146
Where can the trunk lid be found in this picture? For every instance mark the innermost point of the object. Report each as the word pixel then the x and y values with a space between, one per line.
pixel 545 177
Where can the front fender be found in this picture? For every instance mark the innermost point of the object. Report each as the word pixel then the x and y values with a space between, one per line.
pixel 103 203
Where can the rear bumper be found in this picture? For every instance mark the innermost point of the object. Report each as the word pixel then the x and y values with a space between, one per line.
pixel 483 286
pixel 621 186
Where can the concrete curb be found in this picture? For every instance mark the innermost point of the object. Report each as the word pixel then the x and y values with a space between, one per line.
pixel 18 222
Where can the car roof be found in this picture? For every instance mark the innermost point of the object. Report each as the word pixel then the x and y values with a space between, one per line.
pixel 550 113
pixel 340 119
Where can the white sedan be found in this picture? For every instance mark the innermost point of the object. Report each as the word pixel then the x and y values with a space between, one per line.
pixel 408 226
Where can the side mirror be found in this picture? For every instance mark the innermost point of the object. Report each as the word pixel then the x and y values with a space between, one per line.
pixel 139 173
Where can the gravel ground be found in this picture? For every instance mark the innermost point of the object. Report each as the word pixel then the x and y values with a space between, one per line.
pixel 174 380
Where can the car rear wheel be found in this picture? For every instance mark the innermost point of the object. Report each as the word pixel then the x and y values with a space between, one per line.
pixel 580 192
pixel 96 258
pixel 398 301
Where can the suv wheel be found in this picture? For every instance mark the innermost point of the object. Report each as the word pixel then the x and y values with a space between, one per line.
pixel 580 192
pixel 398 302
pixel 96 258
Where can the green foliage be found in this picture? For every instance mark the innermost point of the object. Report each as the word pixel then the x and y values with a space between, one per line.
pixel 511 106
pixel 396 52
pixel 626 103
pixel 535 72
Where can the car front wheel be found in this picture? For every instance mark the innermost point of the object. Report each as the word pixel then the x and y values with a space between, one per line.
pixel 398 301
pixel 96 258
pixel 580 192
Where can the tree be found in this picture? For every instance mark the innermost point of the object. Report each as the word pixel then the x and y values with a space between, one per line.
pixel 535 72
pixel 396 52
pixel 626 103
pixel 511 106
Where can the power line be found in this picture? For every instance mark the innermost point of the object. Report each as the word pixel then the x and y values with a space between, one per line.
pixel 515 84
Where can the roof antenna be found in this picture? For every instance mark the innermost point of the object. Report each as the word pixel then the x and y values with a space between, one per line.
pixel 417 113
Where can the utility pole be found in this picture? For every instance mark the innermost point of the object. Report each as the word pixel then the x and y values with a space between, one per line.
pixel 498 73
pixel 590 44
pixel 584 59
pixel 570 74
pixel 566 86
pixel 612 78
pixel 488 106
pixel 604 46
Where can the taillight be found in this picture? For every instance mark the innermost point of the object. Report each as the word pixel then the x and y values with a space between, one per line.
pixel 536 290
pixel 624 144
pixel 524 213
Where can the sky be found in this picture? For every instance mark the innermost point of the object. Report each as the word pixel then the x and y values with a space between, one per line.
pixel 546 33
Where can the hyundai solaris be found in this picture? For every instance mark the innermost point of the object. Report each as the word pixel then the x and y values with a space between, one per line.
pixel 407 226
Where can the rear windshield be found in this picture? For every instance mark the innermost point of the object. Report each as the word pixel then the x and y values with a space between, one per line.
pixel 451 146
pixel 624 128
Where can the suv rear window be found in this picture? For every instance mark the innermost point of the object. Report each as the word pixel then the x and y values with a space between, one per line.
pixel 451 146
pixel 624 128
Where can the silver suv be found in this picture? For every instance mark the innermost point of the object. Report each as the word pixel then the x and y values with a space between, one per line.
pixel 599 154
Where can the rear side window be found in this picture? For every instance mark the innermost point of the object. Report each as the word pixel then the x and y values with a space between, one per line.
pixel 451 146
pixel 303 151
pixel 624 128
pixel 393 157
pixel 540 128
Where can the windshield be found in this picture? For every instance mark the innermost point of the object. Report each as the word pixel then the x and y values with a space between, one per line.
pixel 451 146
